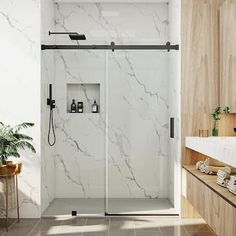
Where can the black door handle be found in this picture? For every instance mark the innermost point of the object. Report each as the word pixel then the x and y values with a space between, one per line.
pixel 172 127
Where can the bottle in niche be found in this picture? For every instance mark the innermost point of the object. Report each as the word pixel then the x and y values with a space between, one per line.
pixel 73 106
pixel 80 107
pixel 95 107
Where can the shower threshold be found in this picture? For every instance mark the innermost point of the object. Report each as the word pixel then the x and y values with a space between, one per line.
pixel 61 207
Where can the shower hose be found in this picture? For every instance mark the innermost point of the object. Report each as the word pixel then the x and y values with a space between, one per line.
pixel 51 128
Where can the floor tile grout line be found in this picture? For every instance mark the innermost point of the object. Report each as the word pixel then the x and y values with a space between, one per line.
pixel 85 223
pixel 160 230
pixel 135 234
pixel 109 226
pixel 34 227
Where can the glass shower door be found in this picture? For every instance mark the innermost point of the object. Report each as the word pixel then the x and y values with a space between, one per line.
pixel 138 178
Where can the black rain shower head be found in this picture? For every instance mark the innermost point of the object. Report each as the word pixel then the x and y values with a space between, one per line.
pixel 76 36
pixel 72 35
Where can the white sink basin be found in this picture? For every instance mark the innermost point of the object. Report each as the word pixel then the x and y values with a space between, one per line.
pixel 219 148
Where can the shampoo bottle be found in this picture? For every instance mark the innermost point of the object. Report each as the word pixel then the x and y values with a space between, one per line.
pixel 95 107
pixel 73 106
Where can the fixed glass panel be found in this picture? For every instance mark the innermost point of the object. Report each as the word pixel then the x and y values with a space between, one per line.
pixel 79 172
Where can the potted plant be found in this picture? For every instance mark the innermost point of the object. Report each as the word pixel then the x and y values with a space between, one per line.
pixel 12 140
pixel 216 117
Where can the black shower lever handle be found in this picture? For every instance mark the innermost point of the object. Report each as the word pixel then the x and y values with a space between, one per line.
pixel 172 127
pixel 50 101
pixel 52 104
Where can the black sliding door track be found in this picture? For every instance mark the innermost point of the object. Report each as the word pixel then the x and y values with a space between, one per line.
pixel 112 47
pixel 110 214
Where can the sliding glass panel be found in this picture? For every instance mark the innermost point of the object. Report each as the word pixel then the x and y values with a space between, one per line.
pixel 138 133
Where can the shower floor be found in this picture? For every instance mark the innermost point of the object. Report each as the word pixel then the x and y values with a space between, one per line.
pixel 95 206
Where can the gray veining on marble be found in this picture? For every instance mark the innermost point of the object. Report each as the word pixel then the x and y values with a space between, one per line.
pixel 136 98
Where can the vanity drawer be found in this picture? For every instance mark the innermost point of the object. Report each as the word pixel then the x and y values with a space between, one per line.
pixel 219 214
pixel 195 194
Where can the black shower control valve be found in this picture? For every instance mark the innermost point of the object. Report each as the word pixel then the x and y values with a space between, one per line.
pixel 52 105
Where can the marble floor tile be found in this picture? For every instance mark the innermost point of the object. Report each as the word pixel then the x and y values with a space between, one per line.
pixel 98 221
pixel 105 233
pixel 108 226
pixel 122 224
pixel 150 226
pixel 96 227
pixel 171 230
pixel 24 227
pixel 148 233
pixel 129 232
pixel 74 221
pixel 46 224
pixel 3 224
pixel 155 223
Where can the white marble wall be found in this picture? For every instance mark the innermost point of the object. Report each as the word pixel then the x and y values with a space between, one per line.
pixel 80 148
pixel 138 124
pixel 104 22
pixel 134 102
pixel 47 76
pixel 20 88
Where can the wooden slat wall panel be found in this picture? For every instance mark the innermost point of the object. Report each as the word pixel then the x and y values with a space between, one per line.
pixel 228 54
pixel 200 66
pixel 227 123
pixel 202 90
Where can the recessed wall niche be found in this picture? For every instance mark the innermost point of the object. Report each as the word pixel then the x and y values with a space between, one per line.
pixel 86 93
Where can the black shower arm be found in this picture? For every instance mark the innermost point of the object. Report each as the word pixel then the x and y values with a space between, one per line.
pixel 49 32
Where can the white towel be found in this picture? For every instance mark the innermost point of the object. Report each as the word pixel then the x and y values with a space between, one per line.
pixel 223 174
pixel 232 189
pixel 202 168
pixel 199 164
pixel 233 179
pixel 222 182
pixel 212 170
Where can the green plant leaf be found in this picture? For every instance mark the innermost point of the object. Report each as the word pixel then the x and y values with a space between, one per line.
pixel 21 126
pixel 11 141
pixel 24 144
pixel 19 136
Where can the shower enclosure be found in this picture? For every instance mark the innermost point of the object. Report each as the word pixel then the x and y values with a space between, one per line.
pixel 123 160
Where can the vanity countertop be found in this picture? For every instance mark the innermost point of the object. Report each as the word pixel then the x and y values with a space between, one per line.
pixel 219 148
